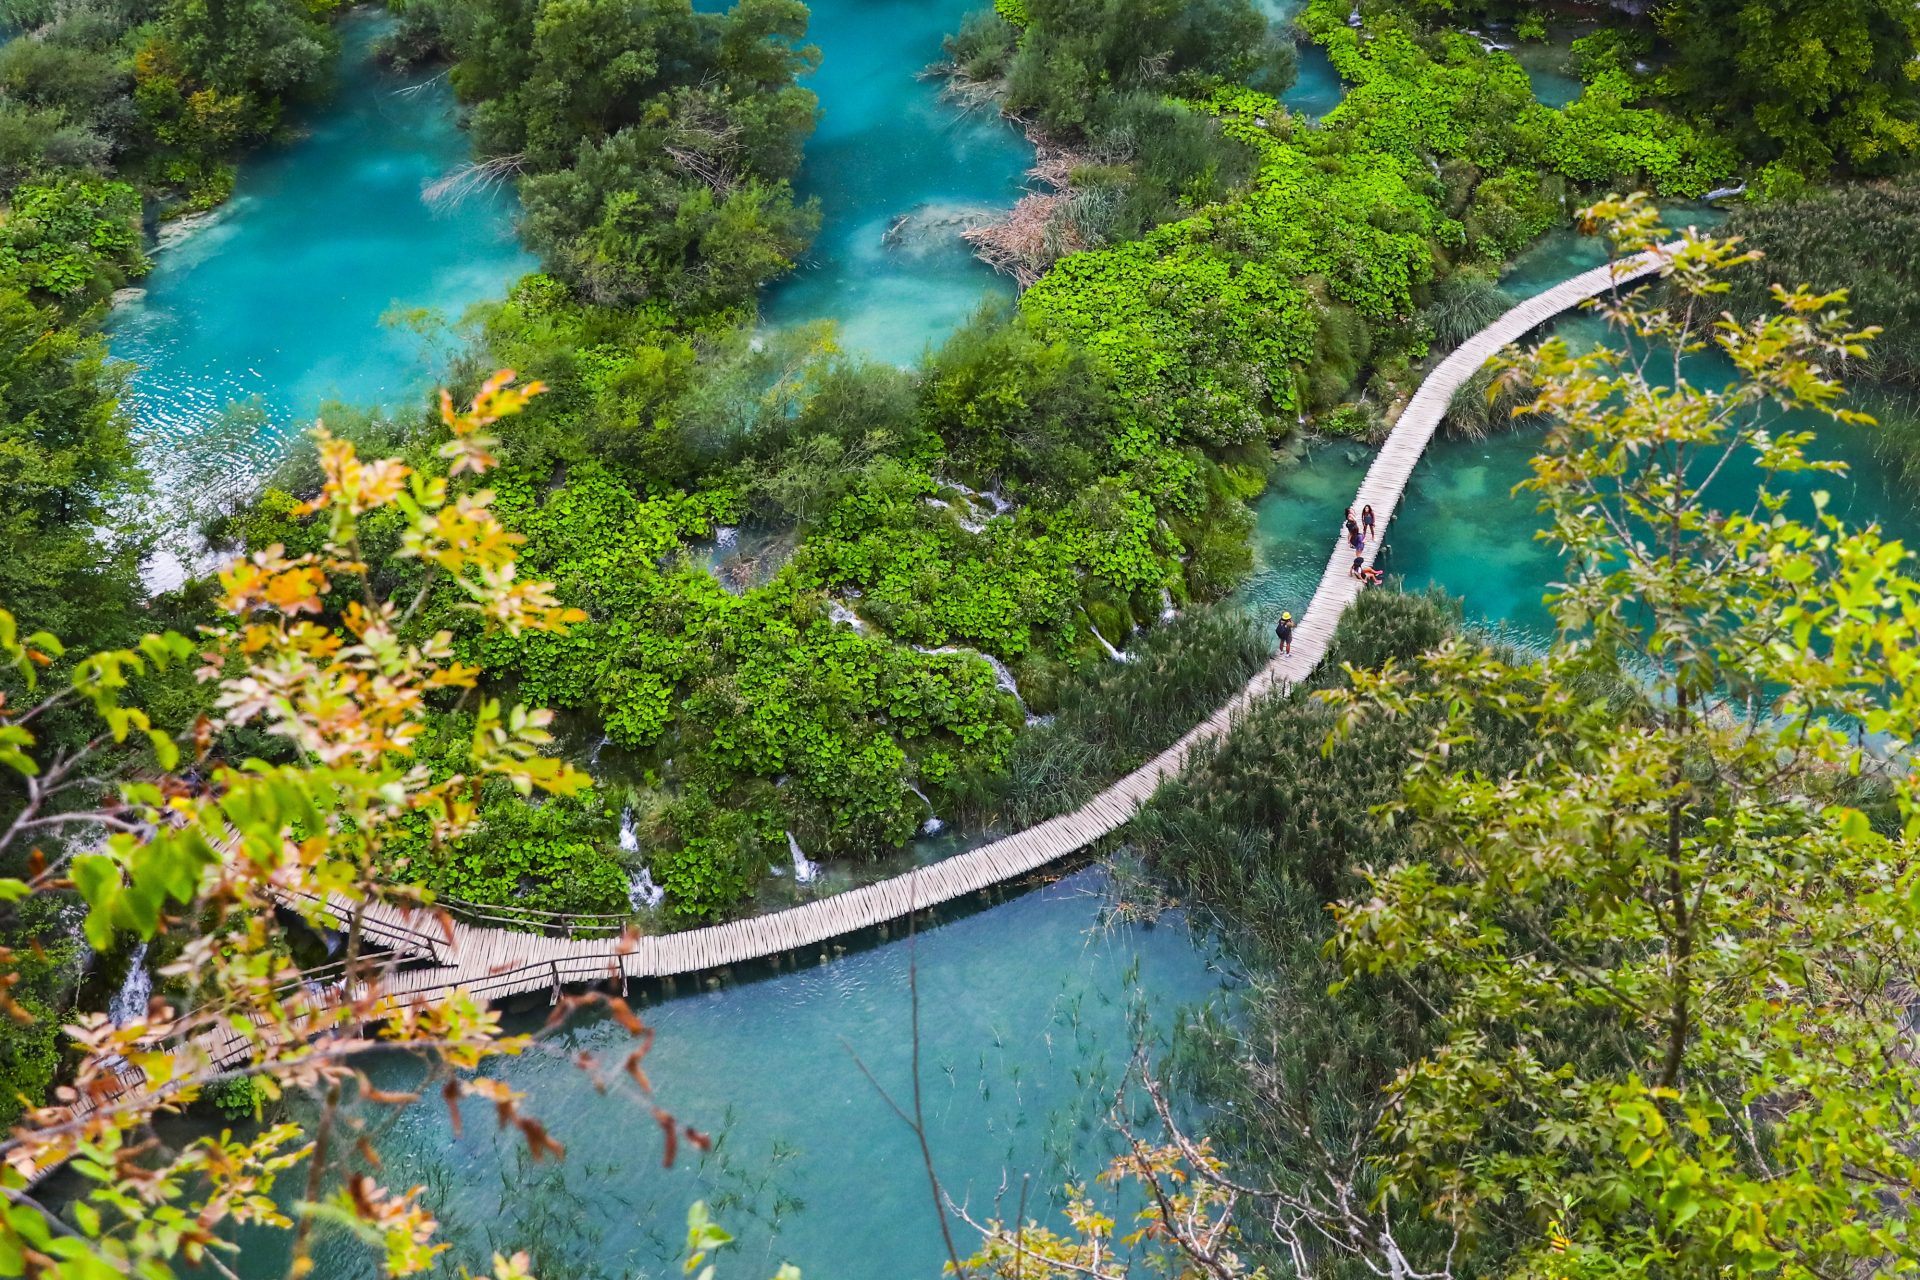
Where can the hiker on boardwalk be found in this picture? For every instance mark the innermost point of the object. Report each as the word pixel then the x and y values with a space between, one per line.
pixel 1353 531
pixel 1366 520
pixel 1284 630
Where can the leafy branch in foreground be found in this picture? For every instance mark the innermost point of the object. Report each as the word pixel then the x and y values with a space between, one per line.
pixel 156 834
pixel 1678 945
pixel 1666 935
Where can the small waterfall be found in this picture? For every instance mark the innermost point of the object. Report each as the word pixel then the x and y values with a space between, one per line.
pixel 1167 612
pixel 804 868
pixel 1001 676
pixel 725 535
pixel 1112 652
pixel 641 890
pixel 838 612
pixel 934 825
pixel 129 1003
pixel 593 757
pixel 974 523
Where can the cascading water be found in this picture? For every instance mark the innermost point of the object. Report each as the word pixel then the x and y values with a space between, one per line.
pixel 805 869
pixel 1167 612
pixel 129 1003
pixel 838 612
pixel 976 500
pixel 641 890
pixel 1112 652
pixel 934 824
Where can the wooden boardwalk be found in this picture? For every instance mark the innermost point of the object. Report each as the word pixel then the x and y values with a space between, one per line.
pixel 494 963
pixel 431 955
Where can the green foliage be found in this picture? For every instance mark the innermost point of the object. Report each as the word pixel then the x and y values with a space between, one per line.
pixel 657 143
pixel 1812 85
pixel 1443 94
pixel 1844 237
pixel 1073 54
pixel 238 1097
pixel 1120 714
pixel 42 954
pixel 1662 1047
pixel 72 237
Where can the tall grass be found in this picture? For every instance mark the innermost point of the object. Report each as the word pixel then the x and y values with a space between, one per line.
pixel 1117 715
pixel 1863 238
pixel 1261 834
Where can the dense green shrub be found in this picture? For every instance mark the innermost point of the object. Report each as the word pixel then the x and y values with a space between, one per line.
pixel 71 236
pixel 656 144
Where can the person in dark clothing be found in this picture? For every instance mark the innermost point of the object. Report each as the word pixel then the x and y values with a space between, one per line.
pixel 1284 630
pixel 1353 531
pixel 1359 563
pixel 1355 541
pixel 1366 520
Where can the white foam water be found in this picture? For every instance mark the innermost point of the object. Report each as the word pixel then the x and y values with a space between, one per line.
pixel 805 869
pixel 129 1003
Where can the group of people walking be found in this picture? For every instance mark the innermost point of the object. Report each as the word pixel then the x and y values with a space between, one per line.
pixel 1359 532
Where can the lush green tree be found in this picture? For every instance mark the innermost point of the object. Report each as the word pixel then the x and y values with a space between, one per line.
pixel 658 144
pixel 1809 85
pixel 1675 946
pixel 67 478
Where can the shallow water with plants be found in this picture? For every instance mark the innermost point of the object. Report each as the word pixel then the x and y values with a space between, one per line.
pixel 899 172
pixel 307 285
pixel 1462 528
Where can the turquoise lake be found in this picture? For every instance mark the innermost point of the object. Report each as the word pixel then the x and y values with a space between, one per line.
pixel 1030 1011
pixel 276 301
pixel 1032 1007
pixel 899 173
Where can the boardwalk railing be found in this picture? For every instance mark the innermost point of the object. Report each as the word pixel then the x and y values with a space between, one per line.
pixel 448 953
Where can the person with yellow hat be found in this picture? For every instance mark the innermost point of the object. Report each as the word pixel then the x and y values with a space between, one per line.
pixel 1284 629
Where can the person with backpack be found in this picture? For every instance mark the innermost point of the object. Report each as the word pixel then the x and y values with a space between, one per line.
pixel 1284 630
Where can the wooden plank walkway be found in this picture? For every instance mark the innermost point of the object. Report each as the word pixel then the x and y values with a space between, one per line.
pixel 432 956
pixel 494 963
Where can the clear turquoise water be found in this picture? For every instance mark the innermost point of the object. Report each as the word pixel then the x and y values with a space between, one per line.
pixel 1461 526
pixel 278 301
pixel 1549 65
pixel 899 172
pixel 1029 1014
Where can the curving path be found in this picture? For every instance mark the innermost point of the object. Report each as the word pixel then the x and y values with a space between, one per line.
pixel 493 963
pixel 432 954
